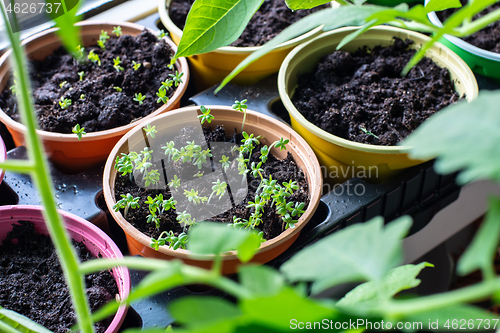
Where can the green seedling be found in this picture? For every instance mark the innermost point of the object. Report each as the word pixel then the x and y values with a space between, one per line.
pixel 199 174
pixel 117 31
pixel 82 96
pixel 162 34
pixel 127 201
pixel 150 130
pixel 103 37
pixel 139 98
pixel 13 88
pixel 218 189
pixel 79 54
pixel 162 96
pixel 364 130
pixel 136 65
pixel 81 74
pixel 64 103
pixel 152 177
pixel 124 164
pixel 225 162
pixel 205 115
pixel 281 144
pixel 242 107
pixel 92 56
pixel 167 84
pixel 79 131
pixel 185 218
pixel 174 242
pixel 116 64
pixel 176 78
pixel 62 84
pixel 193 197
pixel 175 183
pixel 118 89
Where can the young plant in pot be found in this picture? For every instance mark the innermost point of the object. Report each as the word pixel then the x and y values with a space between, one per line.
pixel 243 169
pixel 479 50
pixel 32 282
pixel 353 106
pixel 256 21
pixel 87 100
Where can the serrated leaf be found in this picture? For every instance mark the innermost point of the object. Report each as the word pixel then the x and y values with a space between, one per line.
pixel 480 254
pixel 463 136
pixel 398 279
pixel 261 280
pixel 20 323
pixel 199 311
pixel 332 18
pixel 461 314
pixel 304 4
pixel 211 24
pixel 362 252
pixel 215 238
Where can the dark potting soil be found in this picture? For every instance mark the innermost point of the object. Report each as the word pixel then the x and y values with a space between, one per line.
pixel 271 18
pixel 281 170
pixel 32 282
pixel 487 38
pixel 350 94
pixel 102 106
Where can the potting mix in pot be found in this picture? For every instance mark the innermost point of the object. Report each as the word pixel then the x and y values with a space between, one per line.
pixel 32 282
pixel 488 38
pixel 270 19
pixel 107 85
pixel 362 97
pixel 209 174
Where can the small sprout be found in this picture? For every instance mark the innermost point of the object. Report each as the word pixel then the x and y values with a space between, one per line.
pixel 199 174
pixel 185 218
pixel 127 201
pixel 64 103
pixel 116 64
pixel 139 98
pixel 172 63
pixel 281 144
pixel 117 31
pixel 103 37
pixel 82 96
pixel 94 57
pixel 81 74
pixel 225 162
pixel 368 132
pixel 124 164
pixel 161 34
pixel 79 52
pixel 218 189
pixel 205 116
pixel 176 78
pixel 152 177
pixel 79 131
pixel 150 130
pixel 174 242
pixel 136 65
pixel 264 153
pixel 118 89
pixel 13 88
pixel 242 107
pixel 165 85
pixel 162 96
pixel 175 183
pixel 62 84
pixel 193 197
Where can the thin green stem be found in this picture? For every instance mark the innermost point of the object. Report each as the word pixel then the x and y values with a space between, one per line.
pixel 244 118
pixel 470 28
pixel 7 328
pixel 19 166
pixel 416 26
pixel 43 180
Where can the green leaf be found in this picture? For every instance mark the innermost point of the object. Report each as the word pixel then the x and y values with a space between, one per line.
pixel 398 279
pixel 215 238
pixel 438 5
pixel 200 311
pixel 261 280
pixel 362 252
pixel 304 4
pixel 19 323
pixel 480 254
pixel 462 136
pixel 460 315
pixel 214 23
pixel 68 32
pixel 332 18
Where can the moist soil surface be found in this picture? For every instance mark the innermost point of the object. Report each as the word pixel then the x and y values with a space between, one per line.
pixel 352 95
pixel 101 107
pixel 281 170
pixel 32 282
pixel 487 38
pixel 271 18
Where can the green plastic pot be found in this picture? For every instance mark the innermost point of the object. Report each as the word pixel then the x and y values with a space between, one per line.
pixel 343 159
pixel 481 61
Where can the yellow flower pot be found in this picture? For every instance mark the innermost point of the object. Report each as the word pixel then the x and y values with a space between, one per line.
pixel 342 159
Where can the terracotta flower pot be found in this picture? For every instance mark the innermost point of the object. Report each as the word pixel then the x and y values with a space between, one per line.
pixel 65 150
pixel 212 67
pixel 269 128
pixel 336 153
pixel 82 231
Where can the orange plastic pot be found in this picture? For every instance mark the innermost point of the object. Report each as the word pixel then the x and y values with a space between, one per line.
pixel 259 124
pixel 65 150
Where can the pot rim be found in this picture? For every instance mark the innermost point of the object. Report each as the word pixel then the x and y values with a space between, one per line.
pixel 282 74
pixel 461 43
pixel 307 155
pixel 87 228
pixel 242 50
pixel 181 66
pixel 3 156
